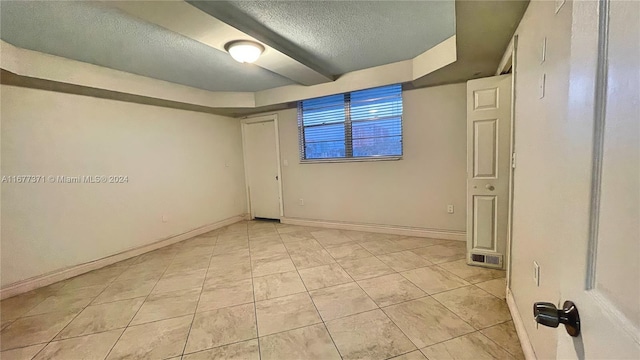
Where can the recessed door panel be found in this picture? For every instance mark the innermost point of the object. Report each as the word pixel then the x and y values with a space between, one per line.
pixel 485 99
pixel 484 222
pixel 485 137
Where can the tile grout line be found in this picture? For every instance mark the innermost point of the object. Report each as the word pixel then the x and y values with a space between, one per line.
pixel 428 295
pixel 373 255
pixel 475 331
pixel 50 312
pixel 383 312
pixel 451 310
pixel 304 285
pixel 397 272
pixel 451 272
pixel 253 290
pixel 217 347
pixel 145 299
pixel 80 312
pixel 435 293
pixel 405 353
pixel 313 302
pixel 417 347
pixel 498 297
pixel 374 277
pixel 493 341
pixel 9 322
pixel 388 318
pixel 352 280
pixel 186 340
pixel 26 312
pixel 104 331
pixel 55 293
pixel 44 344
pixel 255 338
pixel 453 338
pixel 366 279
pixel 381 308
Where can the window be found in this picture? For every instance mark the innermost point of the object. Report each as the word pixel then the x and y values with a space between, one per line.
pixel 365 124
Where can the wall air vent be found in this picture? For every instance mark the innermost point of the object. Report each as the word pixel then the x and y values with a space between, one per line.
pixel 488 260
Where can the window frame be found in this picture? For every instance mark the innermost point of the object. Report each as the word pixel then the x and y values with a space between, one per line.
pixel 348 128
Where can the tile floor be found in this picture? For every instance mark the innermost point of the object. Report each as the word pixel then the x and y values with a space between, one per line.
pixel 263 290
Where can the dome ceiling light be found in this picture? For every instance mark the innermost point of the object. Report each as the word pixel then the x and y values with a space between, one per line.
pixel 244 51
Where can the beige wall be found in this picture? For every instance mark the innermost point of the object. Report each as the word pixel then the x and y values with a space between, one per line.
pixel 412 192
pixel 539 124
pixel 185 165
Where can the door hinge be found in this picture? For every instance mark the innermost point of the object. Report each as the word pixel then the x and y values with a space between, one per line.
pixel 513 160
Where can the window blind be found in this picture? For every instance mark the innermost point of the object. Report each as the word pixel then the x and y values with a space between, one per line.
pixel 356 125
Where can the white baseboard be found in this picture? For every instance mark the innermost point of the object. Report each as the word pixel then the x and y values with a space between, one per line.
pixel 527 348
pixel 69 272
pixel 383 229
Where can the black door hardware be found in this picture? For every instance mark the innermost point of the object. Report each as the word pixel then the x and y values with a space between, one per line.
pixel 547 314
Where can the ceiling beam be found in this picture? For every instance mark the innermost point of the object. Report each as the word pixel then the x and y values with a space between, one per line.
pixel 226 12
pixel 187 20
pixel 431 60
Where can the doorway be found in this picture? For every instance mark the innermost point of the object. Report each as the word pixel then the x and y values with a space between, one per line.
pixel 263 177
pixel 488 169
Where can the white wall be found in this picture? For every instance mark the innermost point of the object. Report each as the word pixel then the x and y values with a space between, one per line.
pixel 175 162
pixel 412 192
pixel 539 124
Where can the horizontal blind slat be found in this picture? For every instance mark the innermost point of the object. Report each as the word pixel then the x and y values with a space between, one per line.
pixel 386 127
pixel 374 125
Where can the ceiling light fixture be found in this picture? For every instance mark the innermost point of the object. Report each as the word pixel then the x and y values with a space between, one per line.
pixel 244 51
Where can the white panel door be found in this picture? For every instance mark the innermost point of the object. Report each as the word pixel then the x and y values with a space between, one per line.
pixel 488 161
pixel 601 237
pixel 263 182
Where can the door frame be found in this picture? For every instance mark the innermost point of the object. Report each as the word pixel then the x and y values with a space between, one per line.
pixel 512 62
pixel 255 120
pixel 509 62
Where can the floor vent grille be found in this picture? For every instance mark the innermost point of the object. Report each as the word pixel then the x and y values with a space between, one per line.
pixel 494 261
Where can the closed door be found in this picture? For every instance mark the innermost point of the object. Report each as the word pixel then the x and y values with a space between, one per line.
pixel 263 180
pixel 488 162
pixel 600 238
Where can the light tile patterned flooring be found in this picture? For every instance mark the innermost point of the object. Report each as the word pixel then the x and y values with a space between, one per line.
pixel 264 290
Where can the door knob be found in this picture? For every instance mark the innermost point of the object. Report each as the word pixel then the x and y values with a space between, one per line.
pixel 548 315
pixel 490 187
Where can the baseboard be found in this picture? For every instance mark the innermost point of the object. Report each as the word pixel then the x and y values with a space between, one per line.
pixel 69 272
pixel 383 229
pixel 527 348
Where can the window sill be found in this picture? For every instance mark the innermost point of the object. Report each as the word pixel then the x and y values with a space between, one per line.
pixel 344 160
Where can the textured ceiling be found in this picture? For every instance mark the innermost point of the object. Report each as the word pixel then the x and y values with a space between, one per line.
pixel 104 36
pixel 351 35
pixel 339 36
